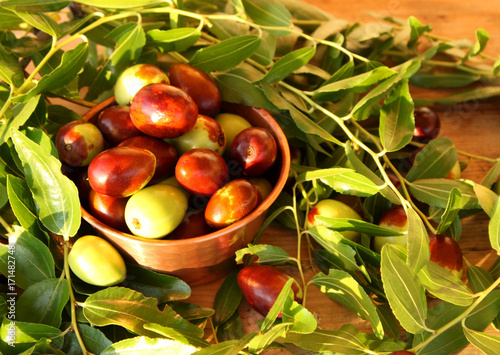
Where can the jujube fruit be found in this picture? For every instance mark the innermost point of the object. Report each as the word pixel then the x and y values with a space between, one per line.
pixel 155 211
pixel 109 210
pixel 446 252
pixel 136 77
pixel 255 150
pixel 199 85
pixel 165 154
pixel 231 203
pixel 262 284
pixel 396 220
pixel 95 261
pixel 121 171
pixel 232 124
pixel 427 124
pixel 115 124
pixel 201 171
pixel 193 225
pixel 163 111
pixel 78 142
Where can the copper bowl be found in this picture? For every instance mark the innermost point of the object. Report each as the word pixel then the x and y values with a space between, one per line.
pixel 206 258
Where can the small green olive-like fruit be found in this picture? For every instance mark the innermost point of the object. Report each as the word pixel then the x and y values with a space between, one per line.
pixel 95 261
pixel 206 133
pixel 232 125
pixel 334 209
pixel 396 220
pixel 156 210
pixel 134 78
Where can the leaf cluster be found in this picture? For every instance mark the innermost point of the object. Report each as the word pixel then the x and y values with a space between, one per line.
pixel 341 93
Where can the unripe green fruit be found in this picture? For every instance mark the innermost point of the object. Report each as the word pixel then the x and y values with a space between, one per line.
pixel 232 125
pixel 134 78
pixel 156 210
pixel 96 261
pixel 334 209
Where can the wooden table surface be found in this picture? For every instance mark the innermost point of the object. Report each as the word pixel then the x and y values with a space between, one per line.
pixel 474 127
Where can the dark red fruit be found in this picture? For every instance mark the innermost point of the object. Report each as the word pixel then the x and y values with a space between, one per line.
pixel 165 153
pixel 201 172
pixel 402 352
pixel 262 284
pixel 121 171
pixel 193 225
pixel 109 210
pixel 427 124
pixel 116 125
pixel 255 150
pixel 446 252
pixel 231 203
pixel 78 142
pixel 163 111
pixel 198 85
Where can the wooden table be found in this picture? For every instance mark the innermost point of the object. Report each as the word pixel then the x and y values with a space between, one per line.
pixel 474 128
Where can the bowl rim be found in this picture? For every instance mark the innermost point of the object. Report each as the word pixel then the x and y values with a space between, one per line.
pixel 232 228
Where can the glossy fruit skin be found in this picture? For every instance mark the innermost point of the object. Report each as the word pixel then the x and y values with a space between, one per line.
pixel 199 85
pixel 263 186
pixel 231 203
pixel 115 124
pixel 121 171
pixel 109 210
pixel 262 284
pixel 163 111
pixel 78 142
pixel 254 150
pixel 193 225
pixel 95 261
pixel 446 252
pixel 206 133
pixel 427 124
pixel 232 124
pixel 155 211
pixel 397 220
pixel 165 154
pixel 334 209
pixel 201 172
pixel 134 78
pixel 402 352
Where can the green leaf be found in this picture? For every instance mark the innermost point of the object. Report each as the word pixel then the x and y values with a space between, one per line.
pixel 479 279
pixel 389 322
pixel 22 205
pixel 492 175
pixel 445 285
pixel 150 346
pixel 227 299
pixel 163 287
pixel 10 71
pixel 226 54
pixel 130 39
pixel 131 310
pixel 269 13
pixel 489 344
pixel 343 180
pixel 301 320
pixel 417 29
pixel 268 254
pixel 174 40
pixel 72 62
pixel 177 335
pixel 41 21
pixel 35 5
pixel 435 80
pixel 116 4
pixel 418 241
pixel 55 196
pixel 451 212
pixel 346 224
pixel 32 259
pixel 28 332
pixel 8 19
pixel 43 302
pixel 494 228
pixel 344 289
pixel 190 311
pixel 263 340
pixel 396 118
pixel 404 292
pixel 277 308
pixel 482 38
pixel 21 112
pixel 462 96
pixel 287 64
pixel 94 339
pixel 435 192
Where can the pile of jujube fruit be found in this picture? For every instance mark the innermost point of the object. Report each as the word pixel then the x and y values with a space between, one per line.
pixel 163 161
